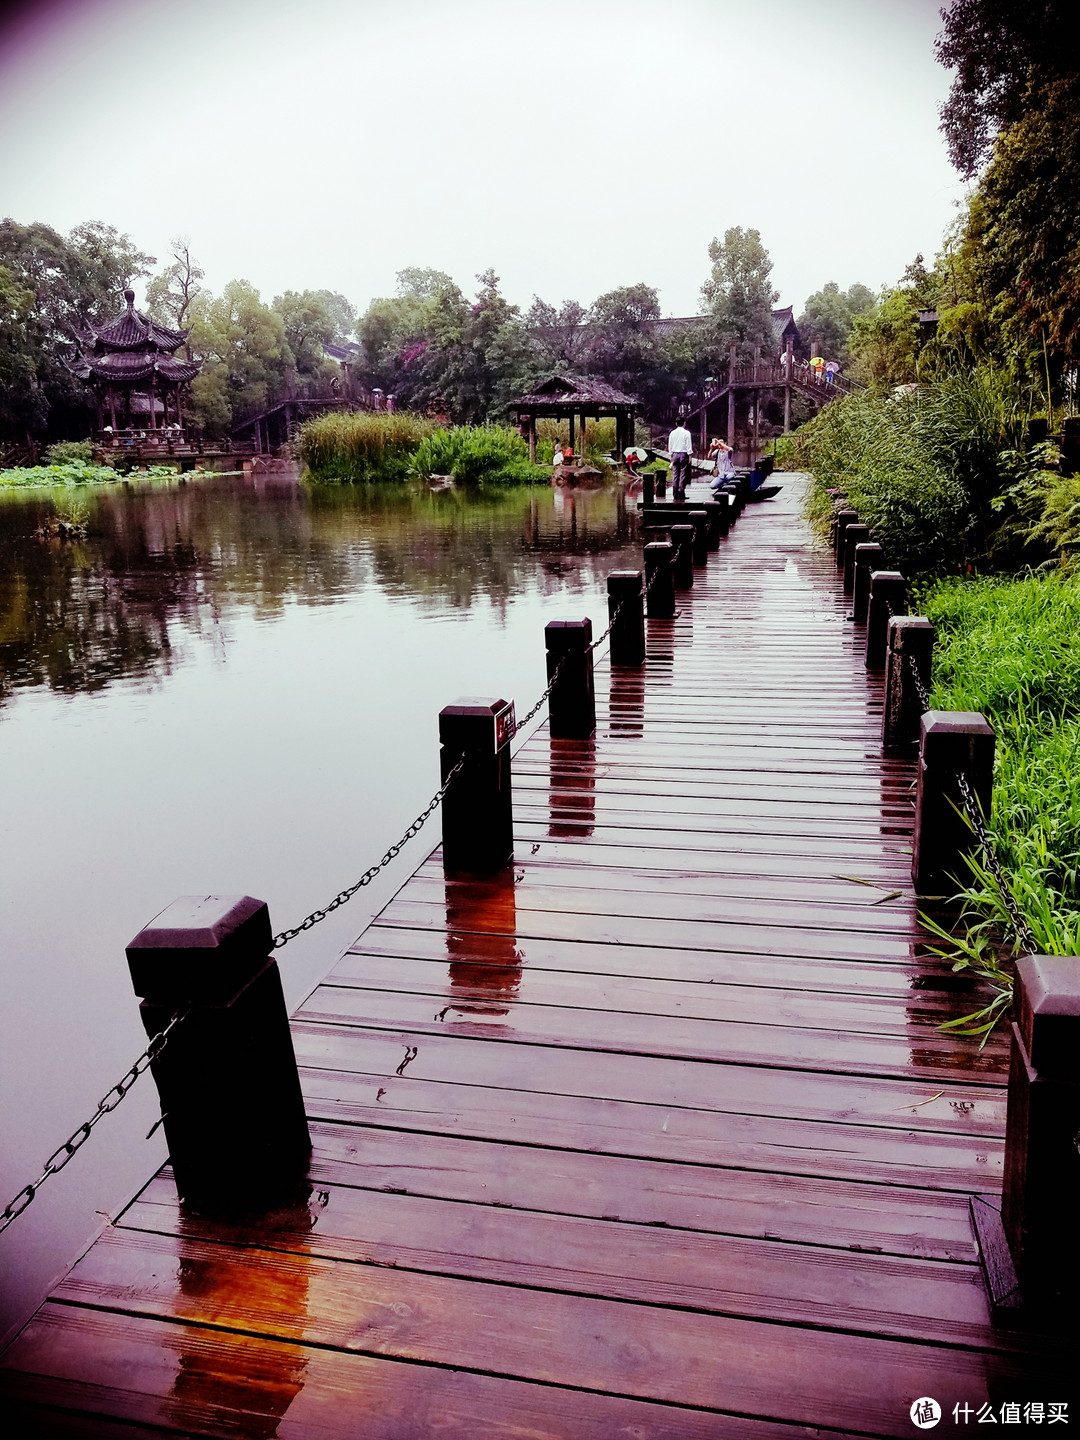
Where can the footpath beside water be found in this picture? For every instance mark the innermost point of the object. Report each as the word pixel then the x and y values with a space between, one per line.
pixel 653 1134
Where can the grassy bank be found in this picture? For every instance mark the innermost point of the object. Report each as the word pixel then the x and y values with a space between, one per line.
pixel 1010 648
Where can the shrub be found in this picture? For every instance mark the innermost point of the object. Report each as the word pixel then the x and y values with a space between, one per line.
pixel 362 446
pixel 65 450
pixel 73 472
pixel 473 454
pixel 930 471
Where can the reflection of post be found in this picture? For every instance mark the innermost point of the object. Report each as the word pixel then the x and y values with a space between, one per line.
pixel 572 791
pixel 626 705
pixel 261 1393
pixel 481 944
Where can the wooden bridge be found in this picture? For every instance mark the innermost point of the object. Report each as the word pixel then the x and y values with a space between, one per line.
pixel 653 1135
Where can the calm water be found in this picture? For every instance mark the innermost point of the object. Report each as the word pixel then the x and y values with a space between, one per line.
pixel 230 685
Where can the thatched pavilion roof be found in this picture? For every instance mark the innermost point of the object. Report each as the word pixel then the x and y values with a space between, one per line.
pixel 576 392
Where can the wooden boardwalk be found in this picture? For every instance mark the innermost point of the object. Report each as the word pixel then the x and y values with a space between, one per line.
pixel 654 1136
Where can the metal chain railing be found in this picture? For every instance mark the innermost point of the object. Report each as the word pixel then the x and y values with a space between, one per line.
pixel 60 1157
pixel 109 1101
pixel 343 896
pixel 917 682
pixel 973 811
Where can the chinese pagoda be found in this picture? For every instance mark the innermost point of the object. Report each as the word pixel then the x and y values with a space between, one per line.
pixel 133 359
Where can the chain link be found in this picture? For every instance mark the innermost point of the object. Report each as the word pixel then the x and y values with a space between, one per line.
pixel 974 814
pixel 109 1101
pixel 917 681
pixel 343 896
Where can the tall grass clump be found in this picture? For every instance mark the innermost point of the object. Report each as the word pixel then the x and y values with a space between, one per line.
pixel 473 454
pixel 931 471
pixel 362 446
pixel 1011 649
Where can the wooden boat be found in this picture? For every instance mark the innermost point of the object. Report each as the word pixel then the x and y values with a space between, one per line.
pixel 764 492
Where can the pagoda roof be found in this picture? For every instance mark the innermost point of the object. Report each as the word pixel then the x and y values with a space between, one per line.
pixel 125 368
pixel 130 331
pixel 573 390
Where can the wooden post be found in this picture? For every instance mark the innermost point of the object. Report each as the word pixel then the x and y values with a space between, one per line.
pixel 1041 1189
pixel 532 439
pixel 227 1078
pixel 844 518
pixel 911 641
pixel 477 810
pixel 731 402
pixel 699 519
pixel 626 613
pixel 703 430
pixel 868 558
pixel 661 483
pixel 853 535
pixel 572 705
pixel 571 441
pixel 659 584
pixel 648 489
pixel 950 741
pixel 682 564
pixel 888 597
pixel 715 511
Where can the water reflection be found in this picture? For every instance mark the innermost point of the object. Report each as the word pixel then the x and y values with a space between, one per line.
pixel 158 561
pixel 572 789
pixel 626 705
pixel 482 981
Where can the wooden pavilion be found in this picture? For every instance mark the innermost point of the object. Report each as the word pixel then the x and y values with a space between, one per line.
pixel 132 366
pixel 574 398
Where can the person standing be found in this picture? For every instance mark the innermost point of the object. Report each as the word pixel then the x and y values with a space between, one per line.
pixel 680 447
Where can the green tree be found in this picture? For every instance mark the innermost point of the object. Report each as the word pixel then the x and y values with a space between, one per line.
pixel 559 336
pixel 738 295
pixel 314 319
pixel 70 279
pixel 1030 210
pixel 1003 51
pixel 241 342
pixel 171 295
pixel 829 315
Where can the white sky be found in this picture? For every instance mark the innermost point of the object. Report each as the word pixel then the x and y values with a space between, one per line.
pixel 575 145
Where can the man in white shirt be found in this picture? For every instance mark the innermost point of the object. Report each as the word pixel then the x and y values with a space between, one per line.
pixel 680 447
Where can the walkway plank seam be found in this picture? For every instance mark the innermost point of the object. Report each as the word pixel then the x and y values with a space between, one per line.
pixel 655 1134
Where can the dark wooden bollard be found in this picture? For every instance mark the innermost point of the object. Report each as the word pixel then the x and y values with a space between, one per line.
pixel 699 519
pixel 868 558
pixel 661 483
pixel 1041 1190
pixel 682 563
pixel 844 518
pixel 910 642
pixel 888 597
pixel 719 521
pixel 572 704
pixel 648 489
pixel 626 613
pixel 950 741
pixel 477 812
pixel 659 582
pixel 230 1093
pixel 853 535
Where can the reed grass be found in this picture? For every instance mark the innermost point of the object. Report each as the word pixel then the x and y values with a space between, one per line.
pixel 362 446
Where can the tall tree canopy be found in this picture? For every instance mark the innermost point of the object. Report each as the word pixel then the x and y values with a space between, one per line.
pixel 999 49
pixel 829 315
pixel 738 295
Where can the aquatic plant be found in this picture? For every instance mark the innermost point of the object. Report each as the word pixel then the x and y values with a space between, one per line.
pixel 71 472
pixel 475 453
pixel 362 445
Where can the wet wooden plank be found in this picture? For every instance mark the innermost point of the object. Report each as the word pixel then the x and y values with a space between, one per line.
pixel 791 1373
pixel 189 1380
pixel 606 1258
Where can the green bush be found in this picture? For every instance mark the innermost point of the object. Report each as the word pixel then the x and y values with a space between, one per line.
pixel 74 472
pixel 931 471
pixel 65 450
pixel 473 454
pixel 362 446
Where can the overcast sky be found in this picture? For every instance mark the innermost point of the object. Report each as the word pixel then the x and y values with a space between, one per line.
pixel 575 145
